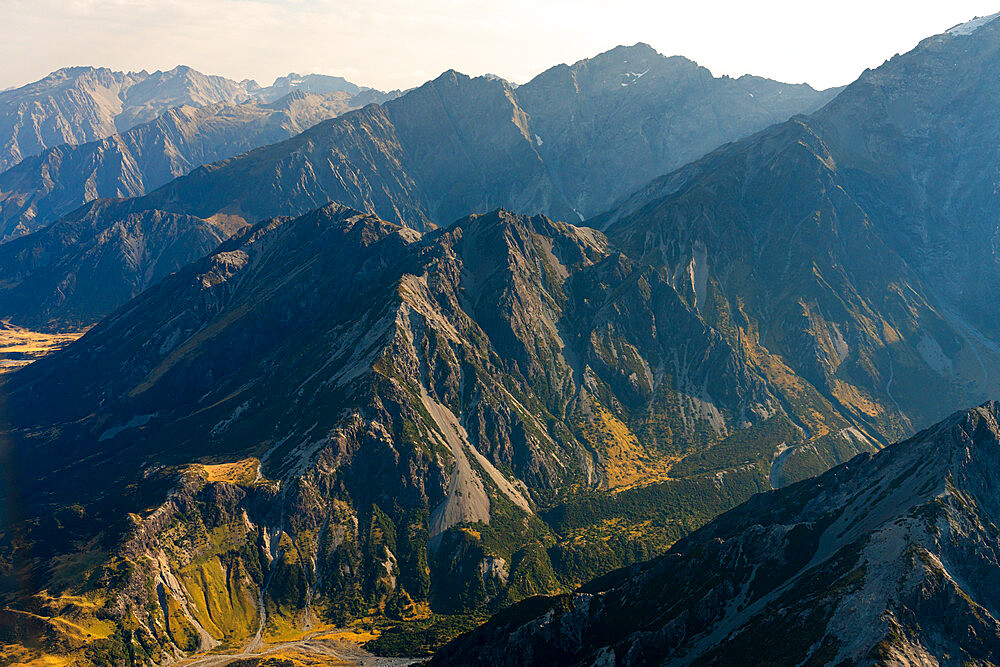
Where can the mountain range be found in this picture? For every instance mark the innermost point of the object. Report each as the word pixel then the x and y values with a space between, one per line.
pixel 522 148
pixel 44 188
pixel 382 373
pixel 452 146
pixel 76 105
pixel 79 104
pixel 882 200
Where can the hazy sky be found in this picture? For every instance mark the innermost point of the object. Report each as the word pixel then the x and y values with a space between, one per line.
pixel 401 43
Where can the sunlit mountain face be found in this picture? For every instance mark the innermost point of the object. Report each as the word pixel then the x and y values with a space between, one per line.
pixel 604 368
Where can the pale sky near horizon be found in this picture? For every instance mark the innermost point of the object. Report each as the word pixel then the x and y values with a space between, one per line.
pixel 391 44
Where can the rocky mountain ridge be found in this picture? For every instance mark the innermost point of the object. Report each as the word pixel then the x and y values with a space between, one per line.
pixel 887 559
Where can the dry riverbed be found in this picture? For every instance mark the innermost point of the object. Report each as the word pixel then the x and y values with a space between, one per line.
pixel 323 648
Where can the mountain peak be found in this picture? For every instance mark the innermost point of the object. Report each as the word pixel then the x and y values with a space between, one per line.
pixel 637 48
pixel 451 75
pixel 321 84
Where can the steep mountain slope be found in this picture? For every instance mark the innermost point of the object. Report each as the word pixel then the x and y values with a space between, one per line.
pixel 80 104
pixel 41 189
pixel 333 416
pixel 920 160
pixel 857 244
pixel 887 559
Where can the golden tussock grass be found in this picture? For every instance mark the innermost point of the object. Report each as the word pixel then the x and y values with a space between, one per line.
pixel 19 347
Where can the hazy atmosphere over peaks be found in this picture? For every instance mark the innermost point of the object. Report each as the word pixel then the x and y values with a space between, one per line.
pixel 406 43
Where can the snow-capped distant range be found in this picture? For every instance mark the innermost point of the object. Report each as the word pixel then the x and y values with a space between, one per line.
pixel 971 26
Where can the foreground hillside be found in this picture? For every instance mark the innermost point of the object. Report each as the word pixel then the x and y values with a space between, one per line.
pixel 887 559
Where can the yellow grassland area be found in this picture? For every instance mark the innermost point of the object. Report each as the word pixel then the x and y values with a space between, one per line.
pixel 238 472
pixel 321 644
pixel 19 656
pixel 292 658
pixel 66 621
pixel 355 635
pixel 625 462
pixel 19 347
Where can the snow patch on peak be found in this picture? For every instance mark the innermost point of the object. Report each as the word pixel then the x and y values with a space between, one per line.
pixel 971 26
pixel 632 77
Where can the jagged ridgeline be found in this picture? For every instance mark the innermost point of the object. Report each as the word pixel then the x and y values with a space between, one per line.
pixel 77 105
pixel 888 559
pixel 42 189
